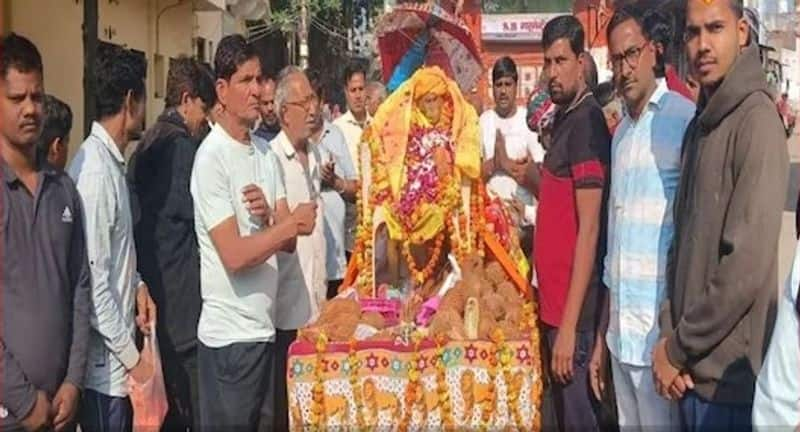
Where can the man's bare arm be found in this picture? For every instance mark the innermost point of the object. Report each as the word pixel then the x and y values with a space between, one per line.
pixel 282 213
pixel 240 253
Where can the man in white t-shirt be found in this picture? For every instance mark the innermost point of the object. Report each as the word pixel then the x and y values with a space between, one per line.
pixel 242 220
pixel 508 144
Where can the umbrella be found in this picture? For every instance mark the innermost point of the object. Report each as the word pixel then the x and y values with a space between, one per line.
pixel 423 33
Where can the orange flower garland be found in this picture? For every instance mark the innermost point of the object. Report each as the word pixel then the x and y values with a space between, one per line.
pixel 441 387
pixel 318 389
pixel 352 362
pixel 512 387
pixel 413 386
pixel 420 276
pixel 537 386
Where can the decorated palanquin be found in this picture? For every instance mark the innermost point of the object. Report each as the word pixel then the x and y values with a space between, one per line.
pixel 435 326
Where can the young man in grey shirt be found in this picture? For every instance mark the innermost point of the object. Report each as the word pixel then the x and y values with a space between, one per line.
pixel 45 277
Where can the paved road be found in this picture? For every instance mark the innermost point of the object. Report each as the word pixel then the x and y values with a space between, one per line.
pixel 787 241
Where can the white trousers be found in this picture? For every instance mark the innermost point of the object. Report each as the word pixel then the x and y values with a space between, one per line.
pixel 639 407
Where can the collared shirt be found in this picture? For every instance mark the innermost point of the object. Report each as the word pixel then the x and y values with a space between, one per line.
pixel 577 159
pixel 237 308
pixel 520 142
pixel 777 401
pixel 352 131
pixel 302 272
pixel 645 169
pixel 333 147
pixel 265 132
pixel 98 170
pixel 45 290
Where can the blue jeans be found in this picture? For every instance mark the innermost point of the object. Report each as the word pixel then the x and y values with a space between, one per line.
pixel 573 401
pixel 698 415
pixel 103 413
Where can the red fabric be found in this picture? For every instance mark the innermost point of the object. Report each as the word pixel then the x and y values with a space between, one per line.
pixel 554 244
pixel 589 172
pixel 676 84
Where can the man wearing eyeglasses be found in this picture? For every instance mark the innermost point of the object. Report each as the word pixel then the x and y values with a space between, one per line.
pixel 302 277
pixel 722 266
pixel 645 168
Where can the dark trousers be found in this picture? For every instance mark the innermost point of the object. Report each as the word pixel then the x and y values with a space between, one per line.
pixel 233 382
pixel 573 402
pixel 698 415
pixel 180 380
pixel 275 411
pixel 103 413
pixel 333 288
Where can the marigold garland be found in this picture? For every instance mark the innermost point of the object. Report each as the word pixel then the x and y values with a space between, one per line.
pixel 353 367
pixel 413 386
pixel 537 386
pixel 442 388
pixel 512 386
pixel 318 388
pixel 420 276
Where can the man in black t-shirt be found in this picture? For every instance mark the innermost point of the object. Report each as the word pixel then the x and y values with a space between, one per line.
pixel 571 223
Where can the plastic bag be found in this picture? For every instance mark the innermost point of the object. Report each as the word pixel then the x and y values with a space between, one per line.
pixel 149 399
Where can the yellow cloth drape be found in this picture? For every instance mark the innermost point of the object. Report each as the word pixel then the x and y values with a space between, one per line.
pixel 388 135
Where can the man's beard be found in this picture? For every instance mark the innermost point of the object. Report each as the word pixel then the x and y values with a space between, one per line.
pixel 271 126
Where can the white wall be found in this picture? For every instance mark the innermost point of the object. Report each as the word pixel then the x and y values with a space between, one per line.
pixel 55 27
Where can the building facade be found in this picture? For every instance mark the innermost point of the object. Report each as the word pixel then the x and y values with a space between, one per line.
pixel 514 28
pixel 158 29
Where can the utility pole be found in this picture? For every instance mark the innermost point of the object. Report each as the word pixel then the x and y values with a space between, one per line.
pixel 303 34
pixel 90 18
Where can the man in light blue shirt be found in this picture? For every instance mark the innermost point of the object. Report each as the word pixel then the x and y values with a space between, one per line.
pixel 645 164
pixel 120 298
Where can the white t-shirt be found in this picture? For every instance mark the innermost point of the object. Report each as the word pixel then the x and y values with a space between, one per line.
pixel 236 308
pixel 303 279
pixel 519 141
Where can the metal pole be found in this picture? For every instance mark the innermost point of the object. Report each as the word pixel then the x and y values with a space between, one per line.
pixel 303 34
pixel 90 19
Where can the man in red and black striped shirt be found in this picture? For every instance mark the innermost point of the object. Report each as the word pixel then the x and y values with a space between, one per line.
pixel 570 223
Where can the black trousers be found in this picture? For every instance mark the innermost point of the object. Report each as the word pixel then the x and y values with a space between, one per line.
pixel 275 410
pixel 180 380
pixel 233 383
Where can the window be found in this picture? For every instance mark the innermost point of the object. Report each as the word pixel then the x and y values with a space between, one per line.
pixel 528 76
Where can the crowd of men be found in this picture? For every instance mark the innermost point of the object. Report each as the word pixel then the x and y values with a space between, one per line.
pixel 651 217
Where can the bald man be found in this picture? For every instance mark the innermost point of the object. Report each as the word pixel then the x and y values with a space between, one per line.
pixel 376 94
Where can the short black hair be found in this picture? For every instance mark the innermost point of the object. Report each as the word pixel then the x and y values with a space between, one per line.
pixel 232 52
pixel 117 72
pixel 20 53
pixel 604 93
pixel 655 25
pixel 737 6
pixel 355 67
pixel 187 75
pixel 505 67
pixel 564 27
pixel 57 122
pixel 317 83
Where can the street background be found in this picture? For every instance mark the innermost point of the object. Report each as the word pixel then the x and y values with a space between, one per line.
pixel 788 239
